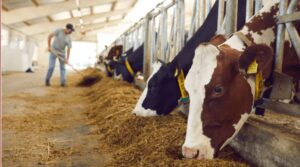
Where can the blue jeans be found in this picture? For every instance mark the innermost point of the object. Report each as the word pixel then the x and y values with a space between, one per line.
pixel 52 61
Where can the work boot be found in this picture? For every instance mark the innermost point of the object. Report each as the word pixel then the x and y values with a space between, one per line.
pixel 63 85
pixel 47 83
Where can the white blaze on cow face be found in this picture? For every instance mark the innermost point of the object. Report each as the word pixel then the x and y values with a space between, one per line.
pixel 139 109
pixel 237 128
pixel 204 64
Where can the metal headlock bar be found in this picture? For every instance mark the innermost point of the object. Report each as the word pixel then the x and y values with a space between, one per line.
pixel 283 84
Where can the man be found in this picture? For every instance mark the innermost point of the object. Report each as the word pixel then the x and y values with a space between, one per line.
pixel 61 40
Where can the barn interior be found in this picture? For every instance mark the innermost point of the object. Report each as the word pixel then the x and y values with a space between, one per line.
pixel 88 120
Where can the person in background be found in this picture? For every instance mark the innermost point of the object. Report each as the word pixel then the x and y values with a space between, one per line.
pixel 61 40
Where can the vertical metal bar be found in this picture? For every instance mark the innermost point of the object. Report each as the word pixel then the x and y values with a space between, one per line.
pixel 202 12
pixel 220 14
pixel 194 19
pixel 208 7
pixel 180 26
pixel 249 9
pixel 294 36
pixel 231 17
pixel 258 5
pixel 153 41
pixel 147 44
pixel 164 33
pixel 280 38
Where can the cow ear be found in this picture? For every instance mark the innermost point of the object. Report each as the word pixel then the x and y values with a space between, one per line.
pixel 218 39
pixel 263 54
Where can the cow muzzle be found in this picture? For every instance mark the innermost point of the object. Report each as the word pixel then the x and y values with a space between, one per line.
pixel 196 153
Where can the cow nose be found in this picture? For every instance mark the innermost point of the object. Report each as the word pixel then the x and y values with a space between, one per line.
pixel 192 153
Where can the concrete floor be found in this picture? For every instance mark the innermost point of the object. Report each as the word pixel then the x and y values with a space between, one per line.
pixel 46 126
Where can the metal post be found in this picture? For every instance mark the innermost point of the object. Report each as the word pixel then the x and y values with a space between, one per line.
pixel 202 12
pixel 294 36
pixel 280 38
pixel 220 15
pixel 164 34
pixel 231 17
pixel 258 5
pixel 249 9
pixel 208 7
pixel 153 41
pixel 180 26
pixel 195 19
pixel 147 62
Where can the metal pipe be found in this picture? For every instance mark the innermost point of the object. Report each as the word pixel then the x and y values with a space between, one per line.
pixel 231 17
pixel 220 14
pixel 208 7
pixel 153 41
pixel 258 5
pixel 146 48
pixel 294 36
pixel 164 34
pixel 249 9
pixel 202 12
pixel 280 38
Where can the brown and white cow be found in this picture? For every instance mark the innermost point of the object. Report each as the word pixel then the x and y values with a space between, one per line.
pixel 221 96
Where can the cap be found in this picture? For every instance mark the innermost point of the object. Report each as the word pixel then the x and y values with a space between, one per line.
pixel 70 26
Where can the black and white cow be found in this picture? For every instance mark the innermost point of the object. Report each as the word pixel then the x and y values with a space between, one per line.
pixel 162 93
pixel 111 64
pixel 128 66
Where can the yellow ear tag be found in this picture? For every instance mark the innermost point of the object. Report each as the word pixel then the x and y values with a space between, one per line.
pixel 253 67
pixel 259 85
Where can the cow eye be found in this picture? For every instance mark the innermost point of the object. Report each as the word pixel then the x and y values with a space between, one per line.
pixel 218 89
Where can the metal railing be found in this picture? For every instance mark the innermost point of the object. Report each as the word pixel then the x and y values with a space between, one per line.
pixel 164 41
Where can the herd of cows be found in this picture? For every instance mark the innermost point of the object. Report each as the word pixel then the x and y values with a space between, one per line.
pixel 220 78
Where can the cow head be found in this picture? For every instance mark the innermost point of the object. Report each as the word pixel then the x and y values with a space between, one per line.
pixel 161 93
pixel 221 98
pixel 110 66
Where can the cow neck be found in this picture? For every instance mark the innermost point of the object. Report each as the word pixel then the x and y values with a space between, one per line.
pixel 129 68
pixel 252 69
pixel 180 79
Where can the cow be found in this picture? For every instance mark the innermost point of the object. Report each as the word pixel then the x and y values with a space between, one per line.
pixel 224 81
pixel 128 66
pixel 111 64
pixel 162 91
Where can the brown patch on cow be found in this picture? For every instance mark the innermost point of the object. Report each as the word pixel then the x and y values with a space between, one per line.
pixel 221 110
pixel 263 54
pixel 218 39
pixel 115 51
pixel 263 21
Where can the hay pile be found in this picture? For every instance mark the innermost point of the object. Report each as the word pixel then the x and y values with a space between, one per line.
pixel 137 141
pixel 91 76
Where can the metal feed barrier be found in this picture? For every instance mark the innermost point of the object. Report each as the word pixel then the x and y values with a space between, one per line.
pixel 163 40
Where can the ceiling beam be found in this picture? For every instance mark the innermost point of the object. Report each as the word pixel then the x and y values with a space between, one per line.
pixel 4 8
pixel 71 14
pixel 92 10
pixel 91 30
pixel 113 6
pixel 25 22
pixel 35 3
pixel 33 12
pixel 45 27
pixel 49 19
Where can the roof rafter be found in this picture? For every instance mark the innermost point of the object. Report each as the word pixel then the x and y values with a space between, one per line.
pixel 33 12
pixel 35 3
pixel 44 27
pixel 113 6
